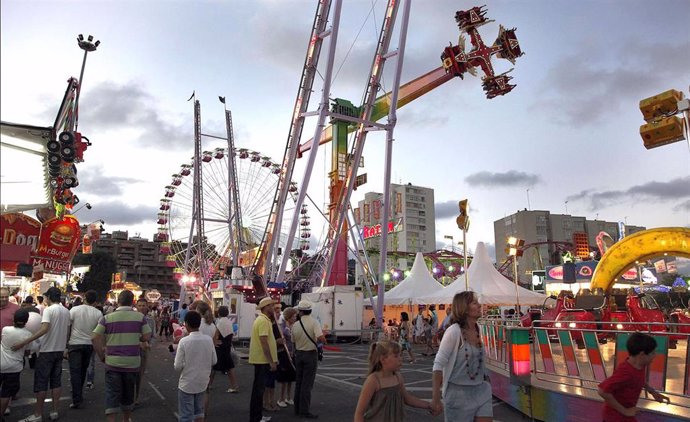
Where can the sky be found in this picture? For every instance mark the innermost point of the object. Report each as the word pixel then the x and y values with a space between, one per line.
pixel 566 137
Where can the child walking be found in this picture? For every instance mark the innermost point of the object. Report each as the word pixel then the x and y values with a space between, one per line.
pixel 622 389
pixel 195 356
pixel 383 397
pixel 12 362
pixel 405 334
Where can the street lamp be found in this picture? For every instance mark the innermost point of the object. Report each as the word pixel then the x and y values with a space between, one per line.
pixel 88 45
pixel 514 249
pixel 87 205
pixel 452 244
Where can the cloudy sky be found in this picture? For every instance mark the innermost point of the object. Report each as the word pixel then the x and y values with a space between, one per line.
pixel 567 133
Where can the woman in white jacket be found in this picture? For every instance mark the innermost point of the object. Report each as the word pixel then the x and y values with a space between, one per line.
pixel 459 373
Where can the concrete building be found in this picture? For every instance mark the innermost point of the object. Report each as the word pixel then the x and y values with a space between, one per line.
pixel 412 220
pixel 141 260
pixel 543 226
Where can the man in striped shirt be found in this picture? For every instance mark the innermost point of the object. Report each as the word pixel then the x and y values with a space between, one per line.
pixel 116 339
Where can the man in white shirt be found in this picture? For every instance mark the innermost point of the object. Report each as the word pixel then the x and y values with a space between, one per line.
pixel 54 330
pixel 84 319
pixel 195 356
pixel 305 333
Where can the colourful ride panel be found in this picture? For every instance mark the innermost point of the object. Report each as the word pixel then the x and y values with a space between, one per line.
pixel 545 351
pixel 596 363
pixel 568 353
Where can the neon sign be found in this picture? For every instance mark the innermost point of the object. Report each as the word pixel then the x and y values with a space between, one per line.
pixel 368 232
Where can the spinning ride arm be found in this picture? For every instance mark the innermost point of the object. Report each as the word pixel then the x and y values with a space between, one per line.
pixel 408 93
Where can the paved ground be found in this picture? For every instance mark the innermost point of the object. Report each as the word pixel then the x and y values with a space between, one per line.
pixel 337 388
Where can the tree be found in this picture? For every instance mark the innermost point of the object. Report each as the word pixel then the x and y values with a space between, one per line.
pixel 102 267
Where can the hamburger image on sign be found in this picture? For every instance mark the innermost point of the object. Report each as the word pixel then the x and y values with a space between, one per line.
pixel 62 235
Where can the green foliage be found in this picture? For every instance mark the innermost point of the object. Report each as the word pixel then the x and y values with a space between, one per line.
pixel 102 267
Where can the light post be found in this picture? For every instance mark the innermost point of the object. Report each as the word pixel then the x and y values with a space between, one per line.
pixel 452 244
pixel 87 205
pixel 514 249
pixel 88 45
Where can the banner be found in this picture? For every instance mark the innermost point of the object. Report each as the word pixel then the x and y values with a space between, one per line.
pixel 357 216
pixel 377 209
pixel 660 266
pixel 583 271
pixel 19 240
pixel 58 243
pixel 366 213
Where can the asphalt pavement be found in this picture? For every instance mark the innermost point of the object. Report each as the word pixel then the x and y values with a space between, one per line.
pixel 334 398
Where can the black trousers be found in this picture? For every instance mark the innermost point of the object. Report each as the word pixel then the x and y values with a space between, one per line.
pixel 256 404
pixel 305 365
pixel 79 358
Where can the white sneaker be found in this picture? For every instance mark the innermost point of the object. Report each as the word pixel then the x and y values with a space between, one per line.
pixel 32 418
pixel 54 416
pixel 290 402
pixel 282 403
pixel 263 419
pixel 7 411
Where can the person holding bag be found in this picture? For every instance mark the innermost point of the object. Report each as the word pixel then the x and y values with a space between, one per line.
pixel 459 372
pixel 305 333
pixel 222 339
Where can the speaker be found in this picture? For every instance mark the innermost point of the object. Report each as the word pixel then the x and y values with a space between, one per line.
pixel 569 273
pixel 25 270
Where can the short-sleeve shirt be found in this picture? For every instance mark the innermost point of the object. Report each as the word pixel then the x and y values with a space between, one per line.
pixel 312 327
pixel 625 385
pixel 123 329
pixel 84 319
pixel 7 315
pixel 55 340
pixel 12 361
pixel 262 328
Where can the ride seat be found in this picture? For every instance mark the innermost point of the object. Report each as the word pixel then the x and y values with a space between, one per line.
pixel 589 302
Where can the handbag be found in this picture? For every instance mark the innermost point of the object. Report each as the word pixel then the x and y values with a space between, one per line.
pixel 319 348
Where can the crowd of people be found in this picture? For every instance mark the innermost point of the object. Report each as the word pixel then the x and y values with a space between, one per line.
pixel 285 348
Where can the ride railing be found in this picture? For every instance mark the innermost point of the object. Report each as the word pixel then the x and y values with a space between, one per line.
pixel 568 357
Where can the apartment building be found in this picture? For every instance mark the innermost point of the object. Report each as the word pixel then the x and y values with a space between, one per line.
pixel 412 224
pixel 141 260
pixel 542 226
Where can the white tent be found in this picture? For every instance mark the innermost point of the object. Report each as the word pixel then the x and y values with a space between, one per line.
pixel 418 283
pixel 492 287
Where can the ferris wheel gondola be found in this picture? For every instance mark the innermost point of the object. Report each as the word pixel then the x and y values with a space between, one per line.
pixel 257 180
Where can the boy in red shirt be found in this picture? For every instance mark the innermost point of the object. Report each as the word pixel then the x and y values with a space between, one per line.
pixel 622 389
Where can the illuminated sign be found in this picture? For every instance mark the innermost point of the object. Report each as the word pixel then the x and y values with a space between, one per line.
pixel 368 232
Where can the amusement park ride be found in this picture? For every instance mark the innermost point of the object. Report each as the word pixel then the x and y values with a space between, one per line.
pixel 264 255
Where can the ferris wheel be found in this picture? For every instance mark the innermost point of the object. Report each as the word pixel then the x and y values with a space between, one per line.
pixel 257 181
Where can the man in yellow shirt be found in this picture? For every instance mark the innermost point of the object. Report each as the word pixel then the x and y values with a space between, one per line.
pixel 263 354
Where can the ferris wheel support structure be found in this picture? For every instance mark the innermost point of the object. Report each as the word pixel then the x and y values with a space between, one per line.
pixel 197 207
pixel 233 192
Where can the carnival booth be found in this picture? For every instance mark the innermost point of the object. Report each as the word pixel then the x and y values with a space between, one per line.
pixel 491 287
pixel 407 296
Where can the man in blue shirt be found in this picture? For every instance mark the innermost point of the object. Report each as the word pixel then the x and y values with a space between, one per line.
pixel 183 313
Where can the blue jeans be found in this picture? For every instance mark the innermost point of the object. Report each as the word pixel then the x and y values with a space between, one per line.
pixel 91 371
pixel 79 356
pixel 119 391
pixel 190 406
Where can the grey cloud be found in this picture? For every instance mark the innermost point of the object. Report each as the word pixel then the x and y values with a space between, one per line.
pixel 683 206
pixel 595 90
pixel 117 213
pixel 660 191
pixel 113 106
pixel 506 179
pixel 94 182
pixel 448 209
